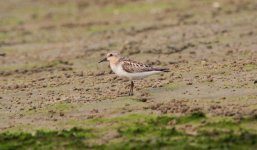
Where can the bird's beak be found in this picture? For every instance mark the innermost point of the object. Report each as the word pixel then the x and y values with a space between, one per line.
pixel 105 59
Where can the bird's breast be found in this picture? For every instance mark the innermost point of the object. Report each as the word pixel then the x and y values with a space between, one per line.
pixel 117 69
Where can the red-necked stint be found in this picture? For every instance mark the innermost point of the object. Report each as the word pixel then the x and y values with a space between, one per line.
pixel 133 70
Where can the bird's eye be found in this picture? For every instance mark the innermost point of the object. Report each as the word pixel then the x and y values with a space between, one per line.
pixel 110 55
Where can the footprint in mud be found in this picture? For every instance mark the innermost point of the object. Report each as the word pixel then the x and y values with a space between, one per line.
pixel 3 54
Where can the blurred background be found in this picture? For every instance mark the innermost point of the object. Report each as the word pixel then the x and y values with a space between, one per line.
pixel 50 78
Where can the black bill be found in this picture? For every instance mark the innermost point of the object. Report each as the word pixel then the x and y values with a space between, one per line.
pixel 105 59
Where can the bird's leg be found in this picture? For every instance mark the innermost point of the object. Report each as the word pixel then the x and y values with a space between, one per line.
pixel 131 88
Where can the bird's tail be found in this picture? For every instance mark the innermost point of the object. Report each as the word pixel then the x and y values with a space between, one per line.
pixel 162 69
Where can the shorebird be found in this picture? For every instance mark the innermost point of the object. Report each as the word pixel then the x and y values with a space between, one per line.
pixel 133 70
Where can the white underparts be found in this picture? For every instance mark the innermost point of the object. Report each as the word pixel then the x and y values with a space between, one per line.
pixel 132 76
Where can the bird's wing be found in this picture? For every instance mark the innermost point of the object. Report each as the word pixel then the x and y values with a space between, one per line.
pixel 133 66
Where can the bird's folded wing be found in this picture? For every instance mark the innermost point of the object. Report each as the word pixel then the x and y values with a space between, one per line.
pixel 134 67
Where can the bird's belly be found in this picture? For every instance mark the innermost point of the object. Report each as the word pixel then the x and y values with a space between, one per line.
pixel 132 76
pixel 140 75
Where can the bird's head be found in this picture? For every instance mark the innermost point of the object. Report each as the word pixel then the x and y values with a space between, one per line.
pixel 112 57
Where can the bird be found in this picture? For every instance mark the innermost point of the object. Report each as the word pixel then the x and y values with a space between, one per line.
pixel 133 70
